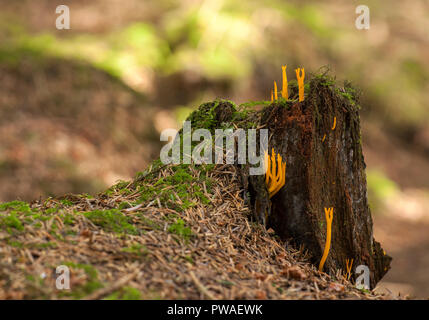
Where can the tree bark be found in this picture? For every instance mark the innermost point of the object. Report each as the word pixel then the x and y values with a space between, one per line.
pixel 325 168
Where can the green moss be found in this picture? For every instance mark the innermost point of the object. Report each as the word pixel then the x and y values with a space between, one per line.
pixel 325 80
pixel 182 184
pixel 66 203
pixel 148 222
pixel 91 284
pixel 121 187
pixel 137 249
pixel 348 92
pixel 180 229
pixel 16 244
pixel 15 205
pixel 51 211
pixel 363 290
pixel 11 221
pixel 68 219
pixel 189 259
pixel 124 205
pixel 226 283
pixel 56 235
pixel 45 245
pixel 139 175
pixel 125 293
pixel 111 220
pixel 204 116
pixel 39 216
pixel 255 103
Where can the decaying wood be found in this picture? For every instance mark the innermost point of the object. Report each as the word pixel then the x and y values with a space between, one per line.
pixel 320 140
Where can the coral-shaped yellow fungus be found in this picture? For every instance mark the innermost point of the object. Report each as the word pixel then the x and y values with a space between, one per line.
pixel 329 213
pixel 272 96
pixel 324 137
pixel 335 123
pixel 285 93
pixel 275 175
pixel 349 264
pixel 300 82
pixel 275 90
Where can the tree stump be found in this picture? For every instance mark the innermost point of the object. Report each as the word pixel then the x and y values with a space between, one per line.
pixel 320 140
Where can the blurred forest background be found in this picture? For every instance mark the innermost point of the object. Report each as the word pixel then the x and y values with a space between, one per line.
pixel 83 108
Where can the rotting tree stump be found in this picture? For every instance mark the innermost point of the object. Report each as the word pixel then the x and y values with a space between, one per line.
pixel 325 168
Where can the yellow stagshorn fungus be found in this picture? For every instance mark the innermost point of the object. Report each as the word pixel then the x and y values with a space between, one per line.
pixel 329 213
pixel 335 123
pixel 285 93
pixel 272 96
pixel 349 264
pixel 300 79
pixel 275 174
pixel 275 91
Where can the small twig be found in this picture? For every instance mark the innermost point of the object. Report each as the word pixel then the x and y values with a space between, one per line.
pixel 134 208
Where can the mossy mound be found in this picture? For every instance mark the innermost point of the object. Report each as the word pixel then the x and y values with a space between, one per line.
pixel 157 243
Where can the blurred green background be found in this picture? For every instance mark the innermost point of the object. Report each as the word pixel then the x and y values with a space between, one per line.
pixel 82 108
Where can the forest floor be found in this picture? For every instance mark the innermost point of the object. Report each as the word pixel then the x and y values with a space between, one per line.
pixel 175 232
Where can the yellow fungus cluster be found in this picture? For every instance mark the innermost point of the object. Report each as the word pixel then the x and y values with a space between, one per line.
pixel 349 264
pixel 300 82
pixel 275 175
pixel 284 92
pixel 334 125
pixel 275 91
pixel 329 213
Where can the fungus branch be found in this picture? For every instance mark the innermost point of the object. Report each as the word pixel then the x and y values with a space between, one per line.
pixel 275 176
pixel 349 264
pixel 329 213
pixel 275 91
pixel 285 93
pixel 300 82
pixel 335 123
